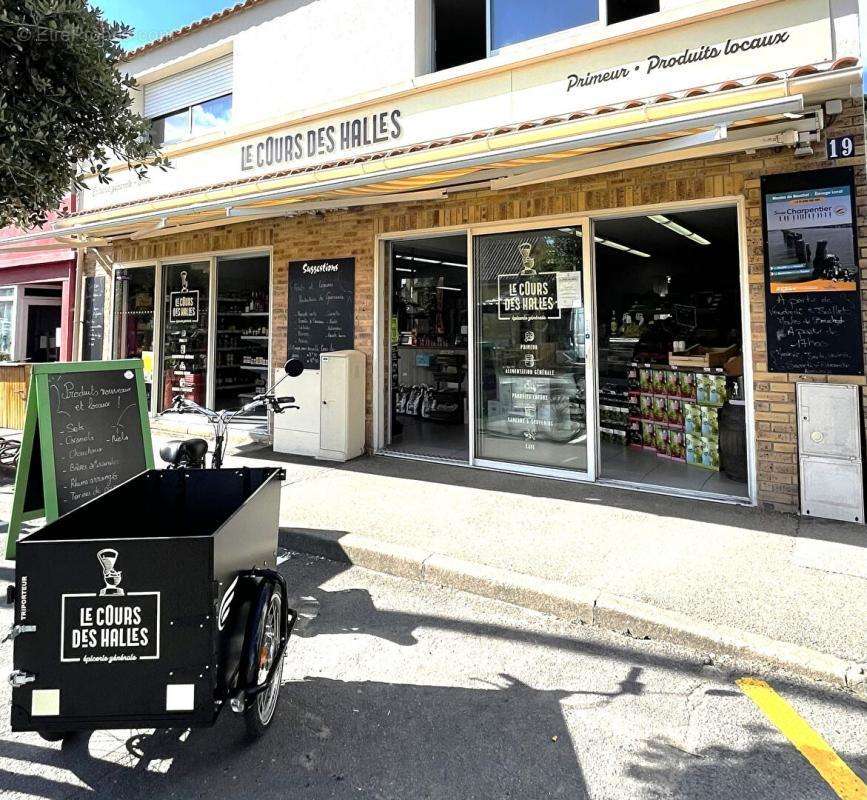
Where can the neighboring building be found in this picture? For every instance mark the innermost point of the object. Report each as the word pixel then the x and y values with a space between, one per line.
pixel 524 215
pixel 37 299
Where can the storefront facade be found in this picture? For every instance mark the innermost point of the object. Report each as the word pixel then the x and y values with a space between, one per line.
pixel 542 246
pixel 37 298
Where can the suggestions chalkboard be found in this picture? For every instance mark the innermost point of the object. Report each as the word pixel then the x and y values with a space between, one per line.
pixel 93 321
pixel 86 432
pixel 321 314
pixel 812 287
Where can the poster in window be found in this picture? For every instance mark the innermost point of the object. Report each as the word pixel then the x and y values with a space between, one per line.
pixel 811 273
pixel 811 247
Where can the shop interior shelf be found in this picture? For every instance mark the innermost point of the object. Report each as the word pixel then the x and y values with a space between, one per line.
pixel 254 366
pixel 243 314
pixel 260 338
pixel 227 386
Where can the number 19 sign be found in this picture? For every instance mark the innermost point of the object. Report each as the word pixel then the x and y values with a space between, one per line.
pixel 841 147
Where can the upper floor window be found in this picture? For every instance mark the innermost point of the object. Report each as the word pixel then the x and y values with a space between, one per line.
pixel 469 30
pixel 191 103
pixel 513 21
pixel 202 118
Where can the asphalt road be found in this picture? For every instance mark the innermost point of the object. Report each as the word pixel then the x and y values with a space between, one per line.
pixel 396 690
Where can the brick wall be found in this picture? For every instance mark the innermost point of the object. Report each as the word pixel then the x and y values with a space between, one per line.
pixel 351 233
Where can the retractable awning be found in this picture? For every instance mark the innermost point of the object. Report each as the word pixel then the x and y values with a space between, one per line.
pixel 767 114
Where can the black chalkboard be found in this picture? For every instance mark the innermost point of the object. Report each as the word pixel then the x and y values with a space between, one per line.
pixel 812 286
pixel 816 334
pixel 96 427
pixel 93 319
pixel 85 432
pixel 321 314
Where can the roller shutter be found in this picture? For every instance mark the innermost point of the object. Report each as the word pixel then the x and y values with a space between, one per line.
pixel 189 87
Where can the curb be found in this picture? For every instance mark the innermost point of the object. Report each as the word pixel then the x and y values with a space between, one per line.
pixel 581 604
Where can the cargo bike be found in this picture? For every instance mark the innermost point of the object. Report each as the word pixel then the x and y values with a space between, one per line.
pixel 154 605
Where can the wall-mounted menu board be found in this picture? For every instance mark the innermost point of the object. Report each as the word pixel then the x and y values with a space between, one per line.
pixel 93 319
pixel 321 313
pixel 812 293
pixel 86 432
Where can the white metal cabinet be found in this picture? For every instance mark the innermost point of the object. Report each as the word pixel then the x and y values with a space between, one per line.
pixel 341 416
pixel 296 431
pixel 330 423
pixel 829 451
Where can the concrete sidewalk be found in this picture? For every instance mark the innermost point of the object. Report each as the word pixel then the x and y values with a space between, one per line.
pixel 726 579
pixel 722 579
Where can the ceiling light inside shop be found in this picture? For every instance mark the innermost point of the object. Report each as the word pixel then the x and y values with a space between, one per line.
pixel 420 259
pixel 450 288
pixel 453 264
pixel 659 219
pixel 622 247
pixel 403 269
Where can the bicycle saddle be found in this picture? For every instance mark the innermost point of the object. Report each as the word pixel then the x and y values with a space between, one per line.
pixel 184 452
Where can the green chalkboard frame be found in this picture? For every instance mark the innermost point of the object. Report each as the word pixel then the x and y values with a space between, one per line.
pixel 38 433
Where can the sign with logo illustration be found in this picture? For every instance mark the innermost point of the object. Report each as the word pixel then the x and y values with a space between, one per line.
pixel 529 295
pixel 111 624
pixel 184 305
pixel 86 431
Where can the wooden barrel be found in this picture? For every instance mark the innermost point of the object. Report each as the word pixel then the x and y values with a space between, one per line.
pixel 14 383
pixel 733 441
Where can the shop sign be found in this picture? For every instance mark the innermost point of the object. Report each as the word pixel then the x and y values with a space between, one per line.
pixel 700 52
pixel 326 140
pixel 184 305
pixel 110 625
pixel 686 59
pixel 529 295
pixel 812 291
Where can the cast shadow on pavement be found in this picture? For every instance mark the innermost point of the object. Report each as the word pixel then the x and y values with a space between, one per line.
pixel 658 504
pixel 391 740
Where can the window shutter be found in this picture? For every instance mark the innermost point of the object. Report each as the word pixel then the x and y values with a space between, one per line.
pixel 189 87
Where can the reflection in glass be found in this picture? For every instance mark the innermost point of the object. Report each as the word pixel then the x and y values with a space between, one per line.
pixel 185 326
pixel 515 21
pixel 7 308
pixel 212 115
pixel 171 128
pixel 530 348
pixel 133 328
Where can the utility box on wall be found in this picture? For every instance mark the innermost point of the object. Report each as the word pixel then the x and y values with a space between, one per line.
pixel 829 451
pixel 330 423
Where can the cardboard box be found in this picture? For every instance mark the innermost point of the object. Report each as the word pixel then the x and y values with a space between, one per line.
pixel 645 405
pixel 710 454
pixel 694 450
pixel 677 444
pixel 661 440
pixel 692 419
pixel 647 440
pixel 686 383
pixel 674 407
pixel 709 422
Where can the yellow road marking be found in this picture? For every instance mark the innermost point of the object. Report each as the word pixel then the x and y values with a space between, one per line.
pixel 810 744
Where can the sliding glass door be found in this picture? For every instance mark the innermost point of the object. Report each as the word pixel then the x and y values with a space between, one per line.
pixel 532 351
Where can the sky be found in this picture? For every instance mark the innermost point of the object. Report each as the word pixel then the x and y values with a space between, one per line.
pixel 154 18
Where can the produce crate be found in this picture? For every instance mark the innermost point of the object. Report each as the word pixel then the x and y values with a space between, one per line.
pixel 698 357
